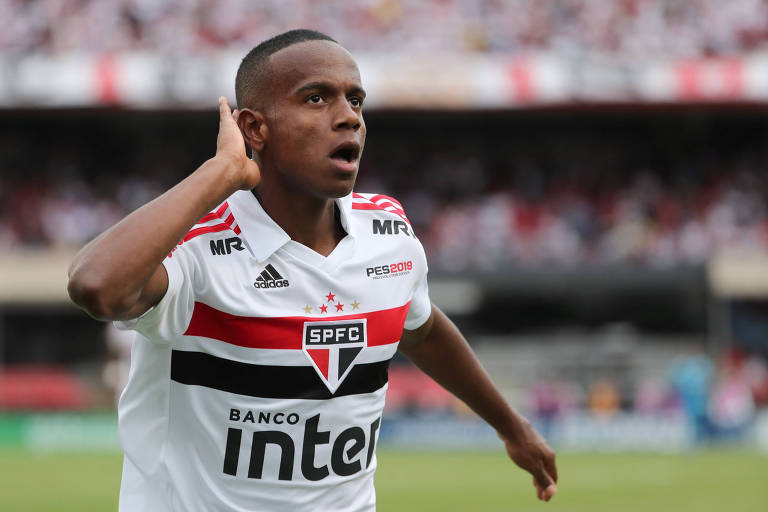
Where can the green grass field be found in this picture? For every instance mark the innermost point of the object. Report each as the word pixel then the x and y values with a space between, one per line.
pixel 717 481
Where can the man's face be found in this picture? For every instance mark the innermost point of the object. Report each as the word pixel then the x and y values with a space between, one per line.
pixel 316 128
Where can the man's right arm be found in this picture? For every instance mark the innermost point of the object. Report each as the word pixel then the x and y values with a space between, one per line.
pixel 119 275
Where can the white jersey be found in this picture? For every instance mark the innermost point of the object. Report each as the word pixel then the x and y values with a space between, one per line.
pixel 258 381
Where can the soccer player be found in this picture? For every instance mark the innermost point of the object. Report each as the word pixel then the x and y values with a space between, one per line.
pixel 268 299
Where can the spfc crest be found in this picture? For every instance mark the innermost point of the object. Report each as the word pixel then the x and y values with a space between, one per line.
pixel 333 346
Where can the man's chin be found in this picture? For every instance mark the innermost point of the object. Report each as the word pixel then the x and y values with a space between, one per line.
pixel 341 191
pixel 342 187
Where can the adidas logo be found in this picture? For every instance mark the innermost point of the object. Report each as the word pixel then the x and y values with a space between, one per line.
pixel 270 278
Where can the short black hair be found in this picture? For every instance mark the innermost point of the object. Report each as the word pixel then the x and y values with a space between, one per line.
pixel 254 69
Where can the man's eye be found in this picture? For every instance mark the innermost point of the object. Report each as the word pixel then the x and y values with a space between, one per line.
pixel 315 98
pixel 356 102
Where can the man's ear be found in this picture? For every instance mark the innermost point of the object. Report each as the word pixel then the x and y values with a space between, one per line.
pixel 253 128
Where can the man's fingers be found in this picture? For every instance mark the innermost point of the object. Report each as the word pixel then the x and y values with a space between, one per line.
pixel 551 468
pixel 541 478
pixel 539 461
pixel 544 493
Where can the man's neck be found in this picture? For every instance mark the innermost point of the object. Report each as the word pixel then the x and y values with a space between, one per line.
pixel 308 220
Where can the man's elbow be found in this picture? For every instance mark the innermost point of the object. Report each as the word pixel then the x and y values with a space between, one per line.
pixel 95 298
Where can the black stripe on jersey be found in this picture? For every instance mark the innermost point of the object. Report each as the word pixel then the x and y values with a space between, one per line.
pixel 265 276
pixel 262 381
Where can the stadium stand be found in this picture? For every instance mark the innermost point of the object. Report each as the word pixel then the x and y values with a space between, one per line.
pixel 628 28
pixel 495 198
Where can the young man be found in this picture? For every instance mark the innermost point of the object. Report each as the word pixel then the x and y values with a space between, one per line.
pixel 260 365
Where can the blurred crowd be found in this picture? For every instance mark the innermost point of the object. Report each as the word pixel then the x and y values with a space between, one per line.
pixel 623 28
pixel 642 221
pixel 718 399
pixel 573 197
pixel 577 195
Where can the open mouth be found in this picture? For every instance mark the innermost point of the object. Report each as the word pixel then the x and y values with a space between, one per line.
pixel 348 152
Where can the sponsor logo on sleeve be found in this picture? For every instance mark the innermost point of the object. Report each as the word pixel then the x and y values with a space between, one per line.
pixel 225 245
pixel 390 227
pixel 390 270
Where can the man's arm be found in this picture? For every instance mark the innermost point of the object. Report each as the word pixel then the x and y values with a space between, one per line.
pixel 119 275
pixel 440 351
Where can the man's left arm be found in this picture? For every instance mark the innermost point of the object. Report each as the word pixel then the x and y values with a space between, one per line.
pixel 440 350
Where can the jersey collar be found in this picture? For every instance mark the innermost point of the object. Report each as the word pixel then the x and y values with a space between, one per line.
pixel 262 234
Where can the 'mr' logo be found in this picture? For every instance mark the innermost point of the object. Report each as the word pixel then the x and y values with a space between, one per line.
pixel 225 246
pixel 333 346
pixel 388 227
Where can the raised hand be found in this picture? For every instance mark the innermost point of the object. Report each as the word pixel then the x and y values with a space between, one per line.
pixel 532 453
pixel 231 146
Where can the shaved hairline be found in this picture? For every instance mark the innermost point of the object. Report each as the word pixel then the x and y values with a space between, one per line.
pixel 254 76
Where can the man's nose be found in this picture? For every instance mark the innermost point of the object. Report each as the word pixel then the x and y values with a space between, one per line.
pixel 347 117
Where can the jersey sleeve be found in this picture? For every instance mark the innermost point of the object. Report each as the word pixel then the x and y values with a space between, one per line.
pixel 169 317
pixel 421 305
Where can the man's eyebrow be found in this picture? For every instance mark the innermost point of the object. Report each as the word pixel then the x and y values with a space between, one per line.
pixel 359 91
pixel 326 86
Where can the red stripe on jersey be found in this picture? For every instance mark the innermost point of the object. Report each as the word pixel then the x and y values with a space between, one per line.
pixel 227 224
pixel 374 206
pixel 379 197
pixel 389 204
pixel 366 206
pixel 205 229
pixel 383 327
pixel 214 215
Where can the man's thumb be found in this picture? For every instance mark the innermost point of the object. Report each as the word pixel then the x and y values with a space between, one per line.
pixel 224 110
pixel 542 479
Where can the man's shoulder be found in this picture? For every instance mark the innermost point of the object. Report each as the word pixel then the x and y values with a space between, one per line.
pixel 378 205
pixel 380 214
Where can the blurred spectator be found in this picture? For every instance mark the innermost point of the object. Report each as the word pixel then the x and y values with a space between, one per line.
pixel 550 401
pixel 654 396
pixel 604 399
pixel 691 376
pixel 731 407
pixel 757 377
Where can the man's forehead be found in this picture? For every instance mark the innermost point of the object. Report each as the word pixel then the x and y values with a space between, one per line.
pixel 310 61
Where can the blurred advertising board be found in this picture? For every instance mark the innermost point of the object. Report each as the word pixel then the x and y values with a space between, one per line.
pixel 420 81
